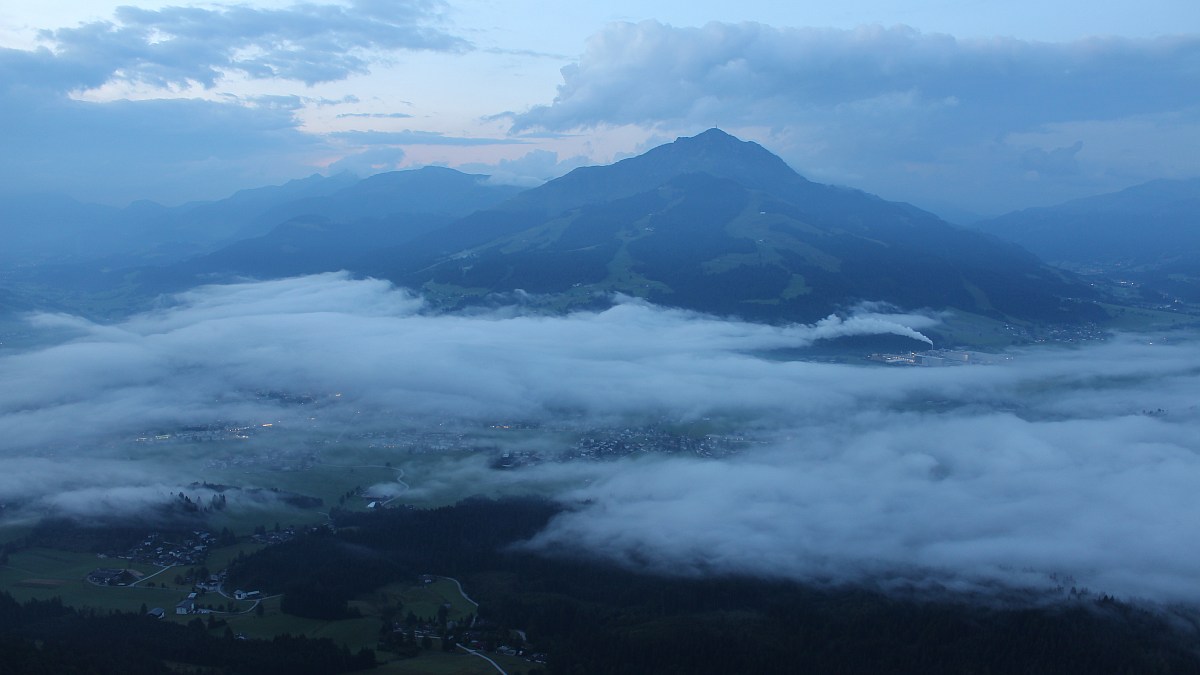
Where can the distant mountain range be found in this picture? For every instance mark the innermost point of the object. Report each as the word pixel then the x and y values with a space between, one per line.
pixel 720 225
pixel 51 229
pixel 1149 232
pixel 1150 224
pixel 709 223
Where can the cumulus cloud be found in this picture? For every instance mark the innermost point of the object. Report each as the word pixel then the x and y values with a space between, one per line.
pixel 409 137
pixel 171 149
pixel 1076 462
pixel 529 170
pixel 309 42
pixel 839 102
pixel 650 72
pixel 394 115
pixel 177 149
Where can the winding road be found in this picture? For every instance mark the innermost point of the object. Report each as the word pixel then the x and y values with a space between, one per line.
pixel 485 658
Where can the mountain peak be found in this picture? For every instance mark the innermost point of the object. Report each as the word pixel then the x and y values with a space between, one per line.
pixel 712 152
pixel 713 135
pixel 723 155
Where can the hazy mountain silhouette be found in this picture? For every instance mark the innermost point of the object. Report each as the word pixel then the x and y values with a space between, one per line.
pixel 721 225
pixel 1148 234
pixel 1155 223
pixel 42 229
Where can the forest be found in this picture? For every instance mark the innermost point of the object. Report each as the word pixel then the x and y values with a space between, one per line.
pixel 593 617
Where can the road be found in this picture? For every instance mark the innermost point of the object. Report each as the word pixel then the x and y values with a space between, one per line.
pixel 151 576
pixel 398 470
pixel 462 592
pixel 485 658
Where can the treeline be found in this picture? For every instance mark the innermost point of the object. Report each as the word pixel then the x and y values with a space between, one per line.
pixel 105 537
pixel 320 572
pixel 594 618
pixel 44 636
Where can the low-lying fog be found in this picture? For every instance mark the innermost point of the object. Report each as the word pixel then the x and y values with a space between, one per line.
pixel 1079 462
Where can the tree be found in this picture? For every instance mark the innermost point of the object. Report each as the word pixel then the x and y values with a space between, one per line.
pixel 259 610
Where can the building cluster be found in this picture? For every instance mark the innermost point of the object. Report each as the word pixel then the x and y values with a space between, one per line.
pixel 271 459
pixel 107 576
pixel 157 549
pixel 204 433
pixel 614 443
pixel 940 357
pixel 277 536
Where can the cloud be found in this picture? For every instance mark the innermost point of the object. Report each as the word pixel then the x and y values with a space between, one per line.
pixel 308 42
pixel 375 115
pixel 959 500
pixel 1059 161
pixel 410 137
pixel 1075 462
pixel 171 147
pixel 648 73
pixel 867 106
pixel 328 333
pixel 370 161
pixel 529 170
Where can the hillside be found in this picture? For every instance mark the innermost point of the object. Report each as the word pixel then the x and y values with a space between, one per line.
pixel 1148 233
pixel 1149 224
pixel 720 225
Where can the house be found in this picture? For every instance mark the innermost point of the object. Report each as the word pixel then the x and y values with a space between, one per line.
pixel 246 595
pixel 187 606
pixel 157 612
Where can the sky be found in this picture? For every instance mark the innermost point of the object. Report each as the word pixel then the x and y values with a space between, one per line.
pixel 961 107
pixel 1062 462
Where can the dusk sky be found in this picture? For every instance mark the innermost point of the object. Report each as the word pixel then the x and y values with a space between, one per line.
pixel 974 106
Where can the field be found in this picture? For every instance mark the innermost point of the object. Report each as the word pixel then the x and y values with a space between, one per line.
pixel 1139 319
pixel 45 573
pixel 437 662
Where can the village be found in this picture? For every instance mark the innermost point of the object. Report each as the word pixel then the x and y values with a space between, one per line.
pixel 935 358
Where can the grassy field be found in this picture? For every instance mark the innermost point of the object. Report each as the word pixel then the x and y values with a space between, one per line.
pixel 1136 319
pixel 425 599
pixel 437 662
pixel 219 558
pixel 979 332
pixel 45 573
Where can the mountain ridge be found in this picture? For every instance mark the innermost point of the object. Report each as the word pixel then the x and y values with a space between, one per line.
pixel 774 246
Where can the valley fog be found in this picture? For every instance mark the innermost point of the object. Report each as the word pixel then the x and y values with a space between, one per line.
pixel 1049 466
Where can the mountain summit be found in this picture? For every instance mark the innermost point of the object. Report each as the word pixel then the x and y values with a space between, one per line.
pixel 720 225
pixel 713 152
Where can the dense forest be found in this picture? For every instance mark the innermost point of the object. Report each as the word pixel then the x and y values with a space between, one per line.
pixel 48 637
pixel 595 618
